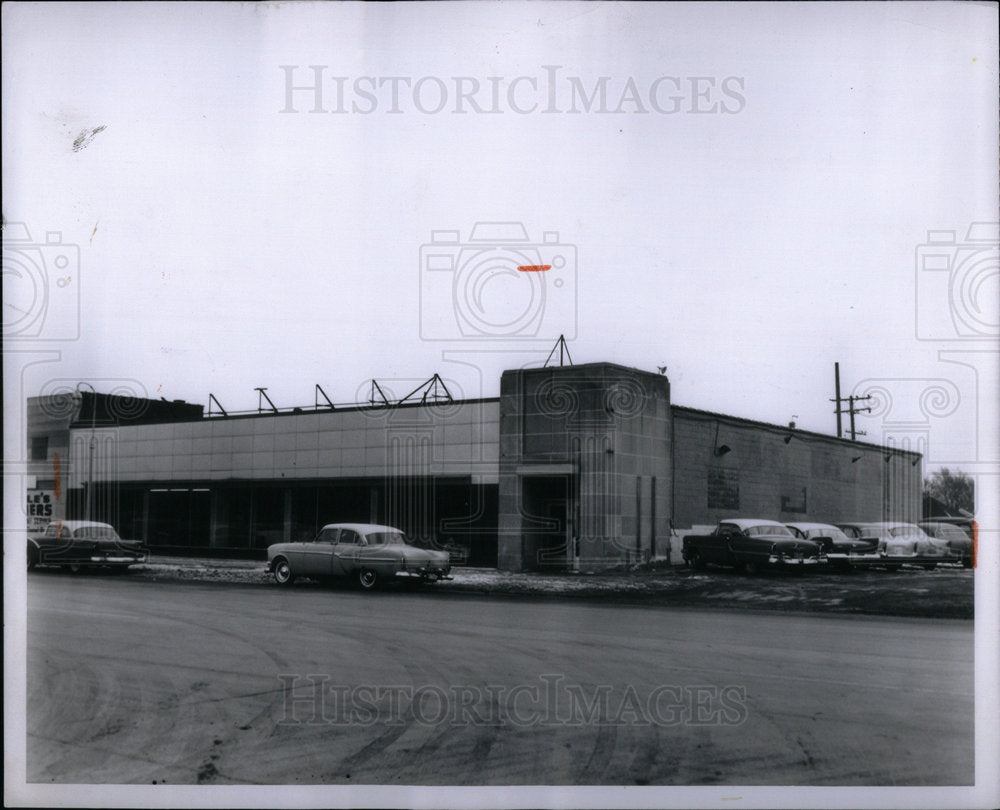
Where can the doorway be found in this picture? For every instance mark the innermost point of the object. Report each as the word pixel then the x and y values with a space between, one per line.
pixel 547 521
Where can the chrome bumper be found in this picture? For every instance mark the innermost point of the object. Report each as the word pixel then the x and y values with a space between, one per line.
pixel 117 559
pixel 856 559
pixel 425 576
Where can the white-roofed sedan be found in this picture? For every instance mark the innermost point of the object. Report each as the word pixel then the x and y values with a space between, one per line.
pixel 366 553
pixel 900 543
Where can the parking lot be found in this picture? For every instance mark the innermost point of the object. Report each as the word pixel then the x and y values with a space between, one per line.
pixel 946 592
pixel 185 683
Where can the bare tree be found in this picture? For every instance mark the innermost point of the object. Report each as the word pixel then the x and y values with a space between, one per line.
pixel 953 488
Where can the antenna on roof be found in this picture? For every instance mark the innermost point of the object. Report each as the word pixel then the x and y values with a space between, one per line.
pixel 261 398
pixel 563 350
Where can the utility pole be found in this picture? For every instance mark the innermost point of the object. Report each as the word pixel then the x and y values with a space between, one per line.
pixel 93 442
pixel 850 406
pixel 853 410
pixel 836 383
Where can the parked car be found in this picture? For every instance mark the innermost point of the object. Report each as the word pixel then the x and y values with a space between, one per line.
pixel 957 539
pixel 79 544
pixel 367 553
pixel 751 544
pixel 900 543
pixel 839 548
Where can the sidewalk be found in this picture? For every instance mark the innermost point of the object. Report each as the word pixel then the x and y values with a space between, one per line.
pixel 944 593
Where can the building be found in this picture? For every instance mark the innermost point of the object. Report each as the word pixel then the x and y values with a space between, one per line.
pixel 570 467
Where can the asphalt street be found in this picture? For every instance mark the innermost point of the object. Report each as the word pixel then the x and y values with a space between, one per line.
pixel 185 683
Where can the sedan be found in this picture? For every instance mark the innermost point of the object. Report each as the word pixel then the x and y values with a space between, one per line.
pixel 840 549
pixel 751 544
pixel 902 542
pixel 366 553
pixel 79 544
pixel 958 541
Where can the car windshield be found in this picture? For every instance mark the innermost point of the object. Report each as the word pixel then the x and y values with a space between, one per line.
pixel 386 539
pixel 906 531
pixel 768 531
pixel 95 533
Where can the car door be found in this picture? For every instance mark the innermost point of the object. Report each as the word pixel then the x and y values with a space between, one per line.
pixel 721 543
pixel 316 557
pixel 345 553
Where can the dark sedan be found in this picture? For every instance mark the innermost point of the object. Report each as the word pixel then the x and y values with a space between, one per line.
pixel 79 544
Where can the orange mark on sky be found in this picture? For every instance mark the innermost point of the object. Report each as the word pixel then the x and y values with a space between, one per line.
pixel 534 268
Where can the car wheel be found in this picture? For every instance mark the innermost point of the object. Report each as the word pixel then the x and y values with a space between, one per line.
pixel 892 567
pixel 283 572
pixel 751 567
pixel 966 562
pixel 32 557
pixel 76 568
pixel 367 578
pixel 697 561
pixel 929 566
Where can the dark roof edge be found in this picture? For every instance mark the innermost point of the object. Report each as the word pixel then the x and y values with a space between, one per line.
pixel 794 431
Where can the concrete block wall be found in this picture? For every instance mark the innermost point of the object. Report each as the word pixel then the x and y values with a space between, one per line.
pixel 810 477
pixel 605 427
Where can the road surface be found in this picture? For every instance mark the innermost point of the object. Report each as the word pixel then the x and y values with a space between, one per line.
pixel 179 683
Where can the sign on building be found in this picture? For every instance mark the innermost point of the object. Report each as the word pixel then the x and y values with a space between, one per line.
pixel 41 506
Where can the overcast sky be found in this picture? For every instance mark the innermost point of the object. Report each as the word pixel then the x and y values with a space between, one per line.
pixel 737 192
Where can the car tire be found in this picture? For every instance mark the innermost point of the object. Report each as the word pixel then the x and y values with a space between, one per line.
pixel 32 557
pixel 966 562
pixel 751 567
pixel 283 572
pixel 77 568
pixel 929 566
pixel 696 561
pixel 368 579
pixel 894 567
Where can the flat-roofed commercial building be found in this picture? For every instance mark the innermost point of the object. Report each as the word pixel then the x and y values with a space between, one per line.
pixel 573 466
